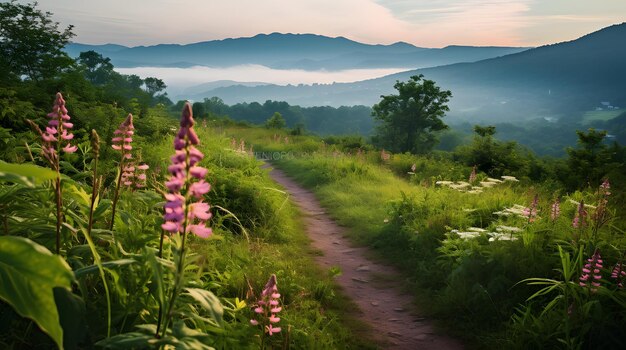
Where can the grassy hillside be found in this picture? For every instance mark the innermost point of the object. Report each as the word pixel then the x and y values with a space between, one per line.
pixel 491 265
pixel 256 233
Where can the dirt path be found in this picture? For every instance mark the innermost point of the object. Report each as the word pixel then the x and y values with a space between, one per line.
pixel 375 288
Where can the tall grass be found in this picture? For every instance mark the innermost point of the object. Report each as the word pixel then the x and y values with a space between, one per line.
pixel 466 262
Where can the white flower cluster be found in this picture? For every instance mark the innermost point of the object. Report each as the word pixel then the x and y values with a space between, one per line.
pixel 463 186
pixel 503 233
pixel 515 210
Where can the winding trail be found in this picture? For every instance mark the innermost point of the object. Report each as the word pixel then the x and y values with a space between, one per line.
pixel 374 287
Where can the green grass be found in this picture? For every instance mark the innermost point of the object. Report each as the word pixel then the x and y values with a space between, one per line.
pixel 592 116
pixel 472 286
pixel 257 233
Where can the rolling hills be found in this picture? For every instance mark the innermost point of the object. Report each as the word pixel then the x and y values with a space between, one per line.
pixel 290 51
pixel 552 81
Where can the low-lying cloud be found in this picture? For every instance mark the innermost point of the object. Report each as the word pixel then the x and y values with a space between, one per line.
pixel 179 79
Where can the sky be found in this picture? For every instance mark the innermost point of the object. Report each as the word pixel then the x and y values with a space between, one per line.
pixel 425 23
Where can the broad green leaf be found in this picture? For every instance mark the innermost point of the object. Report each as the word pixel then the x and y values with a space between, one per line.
pixel 78 193
pixel 72 314
pixel 28 275
pixel 209 302
pixel 102 207
pixel 26 174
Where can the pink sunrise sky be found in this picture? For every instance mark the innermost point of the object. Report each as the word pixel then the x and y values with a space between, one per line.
pixel 426 23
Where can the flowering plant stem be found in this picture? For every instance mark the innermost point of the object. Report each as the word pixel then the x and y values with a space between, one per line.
pixel 94 193
pixel 59 204
pixel 179 280
pixel 118 183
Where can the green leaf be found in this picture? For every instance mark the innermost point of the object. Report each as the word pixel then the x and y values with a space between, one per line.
pixel 101 208
pixel 72 314
pixel 28 275
pixel 132 340
pixel 28 175
pixel 209 302
pixel 109 264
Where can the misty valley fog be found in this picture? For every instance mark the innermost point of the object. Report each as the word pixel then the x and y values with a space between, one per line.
pixel 179 80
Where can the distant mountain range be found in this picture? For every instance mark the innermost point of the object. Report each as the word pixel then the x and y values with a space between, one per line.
pixel 552 81
pixel 290 51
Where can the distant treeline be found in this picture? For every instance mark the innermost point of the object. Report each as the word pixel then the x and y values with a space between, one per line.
pixel 322 120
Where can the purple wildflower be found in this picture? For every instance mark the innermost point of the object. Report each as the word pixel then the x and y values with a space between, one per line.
pixel 140 175
pixel 531 212
pixel 603 200
pixel 590 277
pixel 267 307
pixel 581 214
pixel 57 132
pixel 187 183
pixel 124 137
pixel 472 176
pixel 618 274
pixel 384 156
pixel 555 209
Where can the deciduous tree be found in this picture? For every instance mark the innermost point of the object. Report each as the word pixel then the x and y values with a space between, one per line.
pixel 409 120
pixel 31 43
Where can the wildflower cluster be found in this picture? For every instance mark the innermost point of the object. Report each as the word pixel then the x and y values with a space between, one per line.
pixel 57 132
pixel 555 209
pixel 590 277
pixel 134 176
pixel 187 183
pixel 581 215
pixel 502 233
pixel 123 137
pixel 384 156
pixel 618 275
pixel 603 193
pixel 463 186
pixel 472 176
pixel 531 212
pixel 267 307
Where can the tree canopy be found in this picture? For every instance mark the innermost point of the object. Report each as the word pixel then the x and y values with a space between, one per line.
pixel 31 42
pixel 409 120
pixel 276 121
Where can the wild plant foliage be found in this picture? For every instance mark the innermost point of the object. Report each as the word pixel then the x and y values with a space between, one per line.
pixel 124 255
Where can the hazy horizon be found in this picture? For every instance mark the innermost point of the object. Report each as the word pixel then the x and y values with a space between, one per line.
pixel 179 79
pixel 435 23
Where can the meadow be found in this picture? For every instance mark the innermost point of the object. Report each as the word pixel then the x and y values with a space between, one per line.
pixel 502 262
pixel 101 272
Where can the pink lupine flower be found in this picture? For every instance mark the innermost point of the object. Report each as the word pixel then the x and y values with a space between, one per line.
pixel 123 137
pixel 472 176
pixel 581 214
pixel 267 307
pixel 140 175
pixel 603 200
pixel 618 274
pixel 590 277
pixel 531 212
pixel 57 133
pixel 187 183
pixel 555 209
pixel 605 187
pixel 384 156
pixel 128 173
